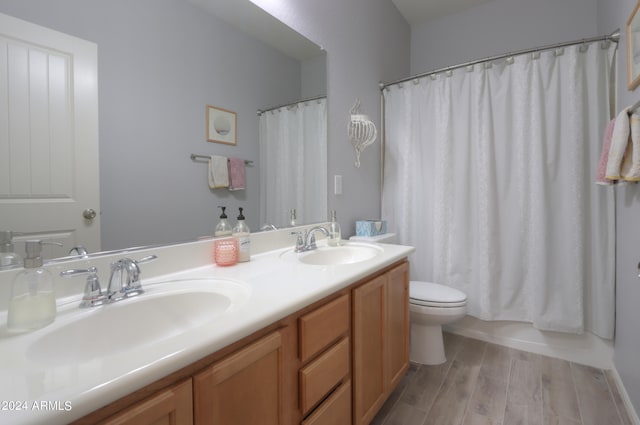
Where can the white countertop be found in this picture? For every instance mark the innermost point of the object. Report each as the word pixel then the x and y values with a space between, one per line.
pixel 34 392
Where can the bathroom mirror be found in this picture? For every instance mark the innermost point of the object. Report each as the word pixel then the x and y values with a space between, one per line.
pixel 159 64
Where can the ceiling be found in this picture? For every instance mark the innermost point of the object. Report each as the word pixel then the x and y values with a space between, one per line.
pixel 258 23
pixel 251 19
pixel 421 11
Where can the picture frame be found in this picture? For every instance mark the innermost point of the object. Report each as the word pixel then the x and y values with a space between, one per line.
pixel 222 125
pixel 633 48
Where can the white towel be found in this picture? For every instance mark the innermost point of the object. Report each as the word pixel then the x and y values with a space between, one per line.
pixel 619 142
pixel 631 163
pixel 218 172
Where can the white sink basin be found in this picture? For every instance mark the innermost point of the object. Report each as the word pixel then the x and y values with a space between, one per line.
pixel 348 253
pixel 163 311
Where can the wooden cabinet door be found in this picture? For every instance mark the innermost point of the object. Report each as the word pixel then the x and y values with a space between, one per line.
pixel 397 333
pixel 369 323
pixel 172 406
pixel 244 388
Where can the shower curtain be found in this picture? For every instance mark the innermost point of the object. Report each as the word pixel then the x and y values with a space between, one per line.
pixel 489 173
pixel 293 145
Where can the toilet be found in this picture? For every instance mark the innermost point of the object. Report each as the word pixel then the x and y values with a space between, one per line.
pixel 431 305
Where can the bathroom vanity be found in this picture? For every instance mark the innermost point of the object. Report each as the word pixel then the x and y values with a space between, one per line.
pixel 300 343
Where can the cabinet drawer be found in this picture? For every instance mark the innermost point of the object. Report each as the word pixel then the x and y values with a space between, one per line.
pixel 335 410
pixel 321 327
pixel 320 376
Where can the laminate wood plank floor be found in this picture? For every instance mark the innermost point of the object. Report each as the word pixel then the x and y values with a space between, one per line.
pixel 488 384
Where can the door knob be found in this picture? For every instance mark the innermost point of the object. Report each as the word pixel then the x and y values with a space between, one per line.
pixel 89 214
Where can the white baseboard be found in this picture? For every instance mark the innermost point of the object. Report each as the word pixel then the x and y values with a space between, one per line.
pixel 625 397
pixel 587 349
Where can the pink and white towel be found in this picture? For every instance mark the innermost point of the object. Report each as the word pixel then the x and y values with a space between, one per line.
pixel 604 156
pixel 237 180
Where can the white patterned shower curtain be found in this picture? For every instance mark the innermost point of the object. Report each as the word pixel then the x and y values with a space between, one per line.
pixel 293 163
pixel 489 173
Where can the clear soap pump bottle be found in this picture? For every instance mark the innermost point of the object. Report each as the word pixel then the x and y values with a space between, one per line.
pixel 223 228
pixel 242 233
pixel 8 258
pixel 33 302
pixel 335 236
pixel 293 221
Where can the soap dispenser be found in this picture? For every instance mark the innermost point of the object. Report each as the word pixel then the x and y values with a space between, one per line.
pixel 293 221
pixel 242 233
pixel 33 303
pixel 8 258
pixel 223 228
pixel 334 230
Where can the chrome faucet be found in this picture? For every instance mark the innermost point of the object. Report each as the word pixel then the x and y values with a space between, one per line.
pixel 308 241
pixel 125 278
pixel 79 251
pixel 93 295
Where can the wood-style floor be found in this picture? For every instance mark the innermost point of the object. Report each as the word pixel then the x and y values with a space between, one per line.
pixel 484 383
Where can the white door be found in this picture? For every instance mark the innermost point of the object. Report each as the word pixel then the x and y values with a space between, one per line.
pixel 48 136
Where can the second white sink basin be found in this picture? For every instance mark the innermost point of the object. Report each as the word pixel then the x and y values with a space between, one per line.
pixel 165 310
pixel 347 253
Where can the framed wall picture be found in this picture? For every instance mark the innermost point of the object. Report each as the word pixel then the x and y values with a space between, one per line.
pixel 633 49
pixel 221 125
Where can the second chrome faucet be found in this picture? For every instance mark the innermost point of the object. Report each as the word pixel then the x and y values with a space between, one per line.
pixel 308 241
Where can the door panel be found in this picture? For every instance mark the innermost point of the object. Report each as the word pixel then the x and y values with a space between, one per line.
pixel 48 136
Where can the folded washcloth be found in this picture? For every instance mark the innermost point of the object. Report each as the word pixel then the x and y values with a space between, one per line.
pixel 619 142
pixel 631 163
pixel 236 174
pixel 604 156
pixel 218 172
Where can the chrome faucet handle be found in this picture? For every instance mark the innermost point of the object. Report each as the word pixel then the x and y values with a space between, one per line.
pixel 299 242
pixel 125 278
pixel 93 295
pixel 310 239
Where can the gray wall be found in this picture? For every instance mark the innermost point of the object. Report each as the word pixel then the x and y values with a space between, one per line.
pixel 614 14
pixel 497 27
pixel 160 63
pixel 367 41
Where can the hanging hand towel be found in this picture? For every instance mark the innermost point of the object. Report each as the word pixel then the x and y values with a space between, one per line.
pixel 218 172
pixel 236 174
pixel 619 142
pixel 631 163
pixel 604 156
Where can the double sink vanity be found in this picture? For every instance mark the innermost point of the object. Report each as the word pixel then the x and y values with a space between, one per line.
pixel 318 337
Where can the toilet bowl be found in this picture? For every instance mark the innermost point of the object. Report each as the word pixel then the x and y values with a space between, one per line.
pixel 432 305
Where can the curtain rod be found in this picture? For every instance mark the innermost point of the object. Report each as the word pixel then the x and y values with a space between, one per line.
pixel 262 111
pixel 614 37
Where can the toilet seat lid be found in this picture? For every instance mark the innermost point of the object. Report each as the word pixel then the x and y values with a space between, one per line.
pixel 434 294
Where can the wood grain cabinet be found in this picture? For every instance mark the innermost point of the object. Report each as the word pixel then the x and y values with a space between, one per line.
pixel 244 388
pixel 172 406
pixel 325 354
pixel 380 335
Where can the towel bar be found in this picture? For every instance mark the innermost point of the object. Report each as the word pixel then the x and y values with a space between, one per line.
pixel 206 157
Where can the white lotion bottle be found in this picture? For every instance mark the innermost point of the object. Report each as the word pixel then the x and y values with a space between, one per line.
pixel 33 302
pixel 242 233
pixel 335 236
